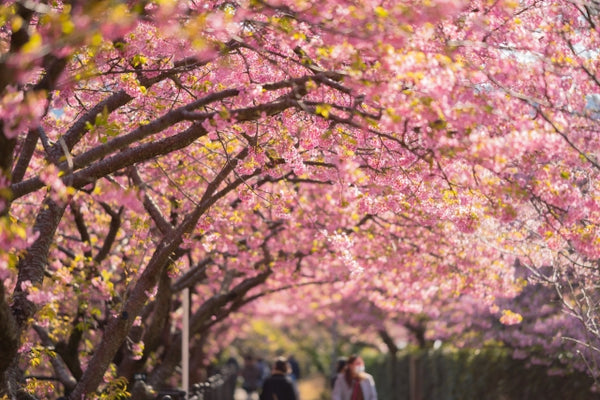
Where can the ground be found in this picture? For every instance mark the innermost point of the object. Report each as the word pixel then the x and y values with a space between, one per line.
pixel 311 388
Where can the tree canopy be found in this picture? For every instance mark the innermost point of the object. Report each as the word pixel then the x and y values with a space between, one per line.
pixel 394 161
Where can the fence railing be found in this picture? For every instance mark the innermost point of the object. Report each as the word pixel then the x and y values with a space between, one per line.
pixel 220 386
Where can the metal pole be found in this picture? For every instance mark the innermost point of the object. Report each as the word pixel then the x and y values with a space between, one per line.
pixel 185 343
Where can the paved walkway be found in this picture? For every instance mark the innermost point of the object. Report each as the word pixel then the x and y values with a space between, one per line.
pixel 310 389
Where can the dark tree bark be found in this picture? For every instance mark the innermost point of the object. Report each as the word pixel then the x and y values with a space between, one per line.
pixel 393 370
pixel 9 340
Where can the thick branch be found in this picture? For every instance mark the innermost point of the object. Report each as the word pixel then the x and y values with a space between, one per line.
pixel 53 68
pixel 81 227
pixel 69 350
pixel 119 161
pixel 144 131
pixel 218 302
pixel 149 205
pixel 192 277
pixel 60 368
pixel 111 236
pixel 7 147
pixel 79 128
pixel 118 327
pixel 32 266
pixel 210 307
pixel 17 40
pixel 160 315
pixel 388 340
pixel 9 339
pixel 27 150
pixel 154 329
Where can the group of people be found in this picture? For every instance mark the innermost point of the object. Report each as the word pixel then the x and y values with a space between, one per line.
pixel 276 383
pixel 350 382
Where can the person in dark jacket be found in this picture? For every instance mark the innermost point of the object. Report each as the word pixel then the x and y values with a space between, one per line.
pixel 295 372
pixel 252 376
pixel 279 386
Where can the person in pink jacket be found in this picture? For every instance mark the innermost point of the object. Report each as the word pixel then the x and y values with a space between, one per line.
pixel 353 383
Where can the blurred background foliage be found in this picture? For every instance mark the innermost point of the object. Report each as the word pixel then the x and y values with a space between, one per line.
pixel 475 374
pixel 444 373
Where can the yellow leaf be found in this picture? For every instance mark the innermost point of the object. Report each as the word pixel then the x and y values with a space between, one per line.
pixel 17 23
pixel 323 110
pixel 96 39
pixel 106 275
pixel 34 43
pixel 381 12
pixel 67 27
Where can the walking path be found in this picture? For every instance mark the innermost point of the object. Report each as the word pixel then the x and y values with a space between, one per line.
pixel 310 388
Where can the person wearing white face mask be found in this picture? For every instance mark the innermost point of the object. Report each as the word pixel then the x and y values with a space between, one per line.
pixel 353 383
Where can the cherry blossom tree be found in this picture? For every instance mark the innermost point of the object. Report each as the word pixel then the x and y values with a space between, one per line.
pixel 412 149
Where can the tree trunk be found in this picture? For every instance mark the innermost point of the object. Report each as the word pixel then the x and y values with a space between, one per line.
pixel 414 378
pixel 9 341
pixel 393 366
pixel 7 147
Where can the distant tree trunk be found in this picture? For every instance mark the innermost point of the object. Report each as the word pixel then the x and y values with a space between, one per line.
pixel 198 368
pixel 415 378
pixel 393 369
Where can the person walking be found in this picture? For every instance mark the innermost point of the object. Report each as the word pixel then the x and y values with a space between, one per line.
pixel 279 386
pixel 353 383
pixel 265 370
pixel 339 367
pixel 251 374
pixel 295 366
